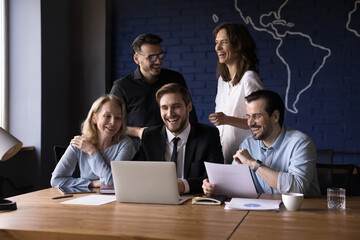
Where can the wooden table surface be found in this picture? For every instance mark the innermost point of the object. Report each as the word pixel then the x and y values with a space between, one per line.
pixel 313 221
pixel 40 217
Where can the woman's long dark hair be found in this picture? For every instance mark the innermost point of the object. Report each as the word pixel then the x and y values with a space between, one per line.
pixel 242 42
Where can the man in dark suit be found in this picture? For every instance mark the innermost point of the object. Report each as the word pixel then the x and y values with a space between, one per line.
pixel 193 143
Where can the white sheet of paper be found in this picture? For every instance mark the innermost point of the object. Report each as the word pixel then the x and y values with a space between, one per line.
pixel 253 204
pixel 232 180
pixel 93 199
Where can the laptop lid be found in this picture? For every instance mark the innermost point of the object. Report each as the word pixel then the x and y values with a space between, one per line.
pixel 145 182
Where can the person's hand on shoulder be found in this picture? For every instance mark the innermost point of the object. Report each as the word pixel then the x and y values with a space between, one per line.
pixel 81 143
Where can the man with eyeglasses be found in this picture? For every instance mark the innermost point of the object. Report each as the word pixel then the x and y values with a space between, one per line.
pixel 139 87
pixel 281 159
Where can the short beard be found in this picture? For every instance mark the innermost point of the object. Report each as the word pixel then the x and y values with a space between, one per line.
pixel 265 134
pixel 181 126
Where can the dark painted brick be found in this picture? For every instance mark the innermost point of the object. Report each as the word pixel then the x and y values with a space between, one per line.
pixel 328 111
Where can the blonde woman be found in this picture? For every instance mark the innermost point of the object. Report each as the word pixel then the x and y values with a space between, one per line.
pixel 237 78
pixel 103 140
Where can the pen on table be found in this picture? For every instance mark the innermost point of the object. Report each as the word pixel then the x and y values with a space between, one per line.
pixel 64 196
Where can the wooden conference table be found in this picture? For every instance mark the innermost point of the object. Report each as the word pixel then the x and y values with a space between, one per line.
pixel 40 217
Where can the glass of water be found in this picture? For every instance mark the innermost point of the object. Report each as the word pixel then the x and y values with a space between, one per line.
pixel 336 198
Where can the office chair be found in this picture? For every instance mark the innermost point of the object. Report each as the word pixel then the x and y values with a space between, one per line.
pixel 325 156
pixel 338 175
pixel 58 152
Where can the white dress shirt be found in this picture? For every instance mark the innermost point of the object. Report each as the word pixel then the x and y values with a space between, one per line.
pixel 181 146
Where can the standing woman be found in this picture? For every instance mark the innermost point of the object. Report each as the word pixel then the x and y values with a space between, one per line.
pixel 237 77
pixel 102 141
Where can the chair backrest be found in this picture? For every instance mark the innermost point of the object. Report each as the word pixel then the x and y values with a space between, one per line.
pixel 325 156
pixel 338 175
pixel 58 152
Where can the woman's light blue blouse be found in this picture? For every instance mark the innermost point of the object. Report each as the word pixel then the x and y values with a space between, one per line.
pixel 96 167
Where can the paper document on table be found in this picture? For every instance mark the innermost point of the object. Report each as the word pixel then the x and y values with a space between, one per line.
pixel 232 180
pixel 94 200
pixel 253 204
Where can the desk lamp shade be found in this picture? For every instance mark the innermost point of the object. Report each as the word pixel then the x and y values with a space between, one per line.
pixel 9 146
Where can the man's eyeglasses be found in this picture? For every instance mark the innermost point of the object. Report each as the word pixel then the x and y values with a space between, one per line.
pixel 255 116
pixel 152 58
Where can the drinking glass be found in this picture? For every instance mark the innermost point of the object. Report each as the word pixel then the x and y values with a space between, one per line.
pixel 336 198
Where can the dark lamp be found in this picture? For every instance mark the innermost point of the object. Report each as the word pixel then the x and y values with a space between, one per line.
pixel 9 146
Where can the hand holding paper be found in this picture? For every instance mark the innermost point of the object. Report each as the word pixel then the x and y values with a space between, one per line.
pixel 231 180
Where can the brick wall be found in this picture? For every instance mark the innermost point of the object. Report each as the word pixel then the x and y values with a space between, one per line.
pixel 319 55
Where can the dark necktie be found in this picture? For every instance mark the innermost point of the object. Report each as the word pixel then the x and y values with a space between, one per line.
pixel 174 153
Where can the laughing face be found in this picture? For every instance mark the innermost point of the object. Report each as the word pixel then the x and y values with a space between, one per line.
pixel 225 51
pixel 174 112
pixel 108 120
pixel 259 121
pixel 150 70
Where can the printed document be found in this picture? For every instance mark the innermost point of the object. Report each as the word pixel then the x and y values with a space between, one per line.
pixel 253 204
pixel 232 180
pixel 93 199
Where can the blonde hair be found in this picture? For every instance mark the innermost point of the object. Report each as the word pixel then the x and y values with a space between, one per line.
pixel 89 128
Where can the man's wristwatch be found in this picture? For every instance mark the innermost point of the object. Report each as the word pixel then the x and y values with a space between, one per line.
pixel 257 165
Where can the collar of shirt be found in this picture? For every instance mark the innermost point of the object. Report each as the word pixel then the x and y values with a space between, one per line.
pixel 232 81
pixel 278 141
pixel 183 136
pixel 138 76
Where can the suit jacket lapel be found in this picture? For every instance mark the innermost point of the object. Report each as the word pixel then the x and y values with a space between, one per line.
pixel 162 143
pixel 190 150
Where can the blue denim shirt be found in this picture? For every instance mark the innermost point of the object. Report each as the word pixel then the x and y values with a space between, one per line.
pixel 293 155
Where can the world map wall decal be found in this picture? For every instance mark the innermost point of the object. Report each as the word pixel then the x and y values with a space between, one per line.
pixel 280 30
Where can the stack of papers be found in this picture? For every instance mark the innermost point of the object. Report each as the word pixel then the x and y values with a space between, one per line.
pixel 253 204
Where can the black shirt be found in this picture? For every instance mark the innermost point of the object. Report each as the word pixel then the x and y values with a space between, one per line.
pixel 139 97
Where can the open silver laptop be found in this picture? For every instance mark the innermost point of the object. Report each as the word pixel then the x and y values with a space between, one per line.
pixel 146 182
